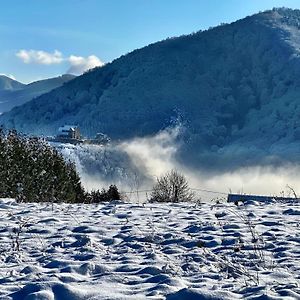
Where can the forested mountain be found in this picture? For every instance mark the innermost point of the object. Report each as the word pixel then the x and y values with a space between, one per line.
pixel 236 88
pixel 14 93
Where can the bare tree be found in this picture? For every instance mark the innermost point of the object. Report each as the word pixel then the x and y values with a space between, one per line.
pixel 171 187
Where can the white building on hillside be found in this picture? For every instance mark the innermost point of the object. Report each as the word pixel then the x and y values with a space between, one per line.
pixel 69 132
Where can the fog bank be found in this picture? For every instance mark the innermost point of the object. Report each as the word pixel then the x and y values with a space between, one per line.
pixel 135 164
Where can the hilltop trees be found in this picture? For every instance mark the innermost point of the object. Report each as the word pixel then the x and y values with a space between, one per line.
pixel 31 170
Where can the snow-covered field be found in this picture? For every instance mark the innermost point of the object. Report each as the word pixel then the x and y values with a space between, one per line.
pixel 151 251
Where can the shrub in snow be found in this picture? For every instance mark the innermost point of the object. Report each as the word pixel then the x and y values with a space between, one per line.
pixel 100 196
pixel 31 170
pixel 171 187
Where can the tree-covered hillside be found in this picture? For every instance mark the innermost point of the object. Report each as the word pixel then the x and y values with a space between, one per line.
pixel 236 84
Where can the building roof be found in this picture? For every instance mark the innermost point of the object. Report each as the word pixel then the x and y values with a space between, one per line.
pixel 260 198
pixel 67 128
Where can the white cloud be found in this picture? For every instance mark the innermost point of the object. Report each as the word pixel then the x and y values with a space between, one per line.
pixel 77 64
pixel 81 64
pixel 40 57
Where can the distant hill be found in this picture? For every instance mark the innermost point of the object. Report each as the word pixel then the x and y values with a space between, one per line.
pixel 8 84
pixel 14 93
pixel 236 88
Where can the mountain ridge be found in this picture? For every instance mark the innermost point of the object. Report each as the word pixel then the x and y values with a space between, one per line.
pixel 14 93
pixel 7 83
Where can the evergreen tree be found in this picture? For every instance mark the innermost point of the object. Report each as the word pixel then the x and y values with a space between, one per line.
pixel 31 170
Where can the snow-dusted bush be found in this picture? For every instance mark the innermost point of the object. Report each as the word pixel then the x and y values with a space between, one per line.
pixel 100 196
pixel 31 170
pixel 171 187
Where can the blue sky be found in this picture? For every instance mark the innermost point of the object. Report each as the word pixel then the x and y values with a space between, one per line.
pixel 41 39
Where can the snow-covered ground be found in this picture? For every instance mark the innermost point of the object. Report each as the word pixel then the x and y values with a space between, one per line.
pixel 151 251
